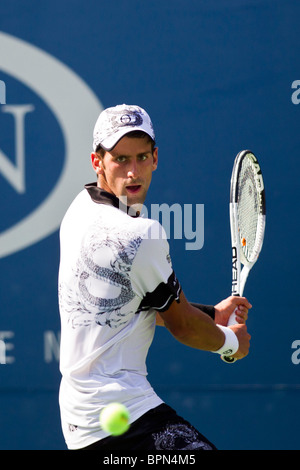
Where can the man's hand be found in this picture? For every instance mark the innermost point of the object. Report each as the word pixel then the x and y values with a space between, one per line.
pixel 244 340
pixel 226 307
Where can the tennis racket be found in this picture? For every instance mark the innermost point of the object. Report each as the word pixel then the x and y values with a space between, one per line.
pixel 247 211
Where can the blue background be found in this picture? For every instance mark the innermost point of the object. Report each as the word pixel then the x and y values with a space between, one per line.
pixel 216 77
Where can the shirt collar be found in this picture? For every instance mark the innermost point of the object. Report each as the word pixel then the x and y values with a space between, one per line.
pixel 100 196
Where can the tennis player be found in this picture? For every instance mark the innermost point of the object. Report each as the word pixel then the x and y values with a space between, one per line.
pixel 116 282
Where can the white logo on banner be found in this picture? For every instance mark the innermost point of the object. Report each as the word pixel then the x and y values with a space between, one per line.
pixel 76 109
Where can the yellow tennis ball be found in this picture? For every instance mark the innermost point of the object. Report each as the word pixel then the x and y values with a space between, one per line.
pixel 114 419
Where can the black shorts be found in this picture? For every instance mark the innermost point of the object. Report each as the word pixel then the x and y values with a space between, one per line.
pixel 159 429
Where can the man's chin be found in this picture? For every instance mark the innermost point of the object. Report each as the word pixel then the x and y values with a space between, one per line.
pixel 135 197
pixel 132 201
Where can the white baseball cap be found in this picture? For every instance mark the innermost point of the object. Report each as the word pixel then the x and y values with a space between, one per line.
pixel 113 123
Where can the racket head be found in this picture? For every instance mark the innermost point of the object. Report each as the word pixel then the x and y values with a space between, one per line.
pixel 247 193
pixel 247 220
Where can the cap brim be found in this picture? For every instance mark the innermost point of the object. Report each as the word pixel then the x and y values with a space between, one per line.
pixel 110 142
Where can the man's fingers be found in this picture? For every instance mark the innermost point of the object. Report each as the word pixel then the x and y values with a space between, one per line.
pixel 242 301
pixel 241 314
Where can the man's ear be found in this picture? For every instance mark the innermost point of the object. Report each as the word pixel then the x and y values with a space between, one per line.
pixel 155 158
pixel 97 163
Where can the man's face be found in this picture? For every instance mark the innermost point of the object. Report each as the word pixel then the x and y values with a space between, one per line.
pixel 127 169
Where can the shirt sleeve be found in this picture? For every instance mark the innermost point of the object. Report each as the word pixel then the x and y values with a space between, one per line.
pixel 152 276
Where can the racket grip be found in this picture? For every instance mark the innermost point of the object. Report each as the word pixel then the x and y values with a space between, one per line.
pixel 232 320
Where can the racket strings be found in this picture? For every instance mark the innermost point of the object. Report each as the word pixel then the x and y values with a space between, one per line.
pixel 248 210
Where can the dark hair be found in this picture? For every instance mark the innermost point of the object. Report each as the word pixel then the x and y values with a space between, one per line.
pixel 134 135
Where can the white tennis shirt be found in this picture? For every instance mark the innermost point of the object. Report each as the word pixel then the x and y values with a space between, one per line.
pixel 115 273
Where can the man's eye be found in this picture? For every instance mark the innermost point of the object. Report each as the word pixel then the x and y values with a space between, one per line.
pixel 143 157
pixel 120 159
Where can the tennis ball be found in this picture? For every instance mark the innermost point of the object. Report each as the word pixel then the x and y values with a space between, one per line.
pixel 114 419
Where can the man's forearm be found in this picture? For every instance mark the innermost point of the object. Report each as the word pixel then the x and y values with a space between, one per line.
pixel 196 329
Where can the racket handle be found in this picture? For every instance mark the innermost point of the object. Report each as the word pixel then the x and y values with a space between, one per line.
pixel 231 321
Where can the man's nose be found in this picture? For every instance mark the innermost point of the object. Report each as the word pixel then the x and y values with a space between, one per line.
pixel 132 171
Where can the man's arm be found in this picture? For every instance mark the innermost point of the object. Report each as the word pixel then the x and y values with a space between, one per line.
pixel 221 312
pixel 194 328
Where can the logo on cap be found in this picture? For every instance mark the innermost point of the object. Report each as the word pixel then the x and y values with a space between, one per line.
pixel 131 119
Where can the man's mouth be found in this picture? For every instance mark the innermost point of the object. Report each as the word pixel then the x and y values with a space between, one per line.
pixel 134 188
